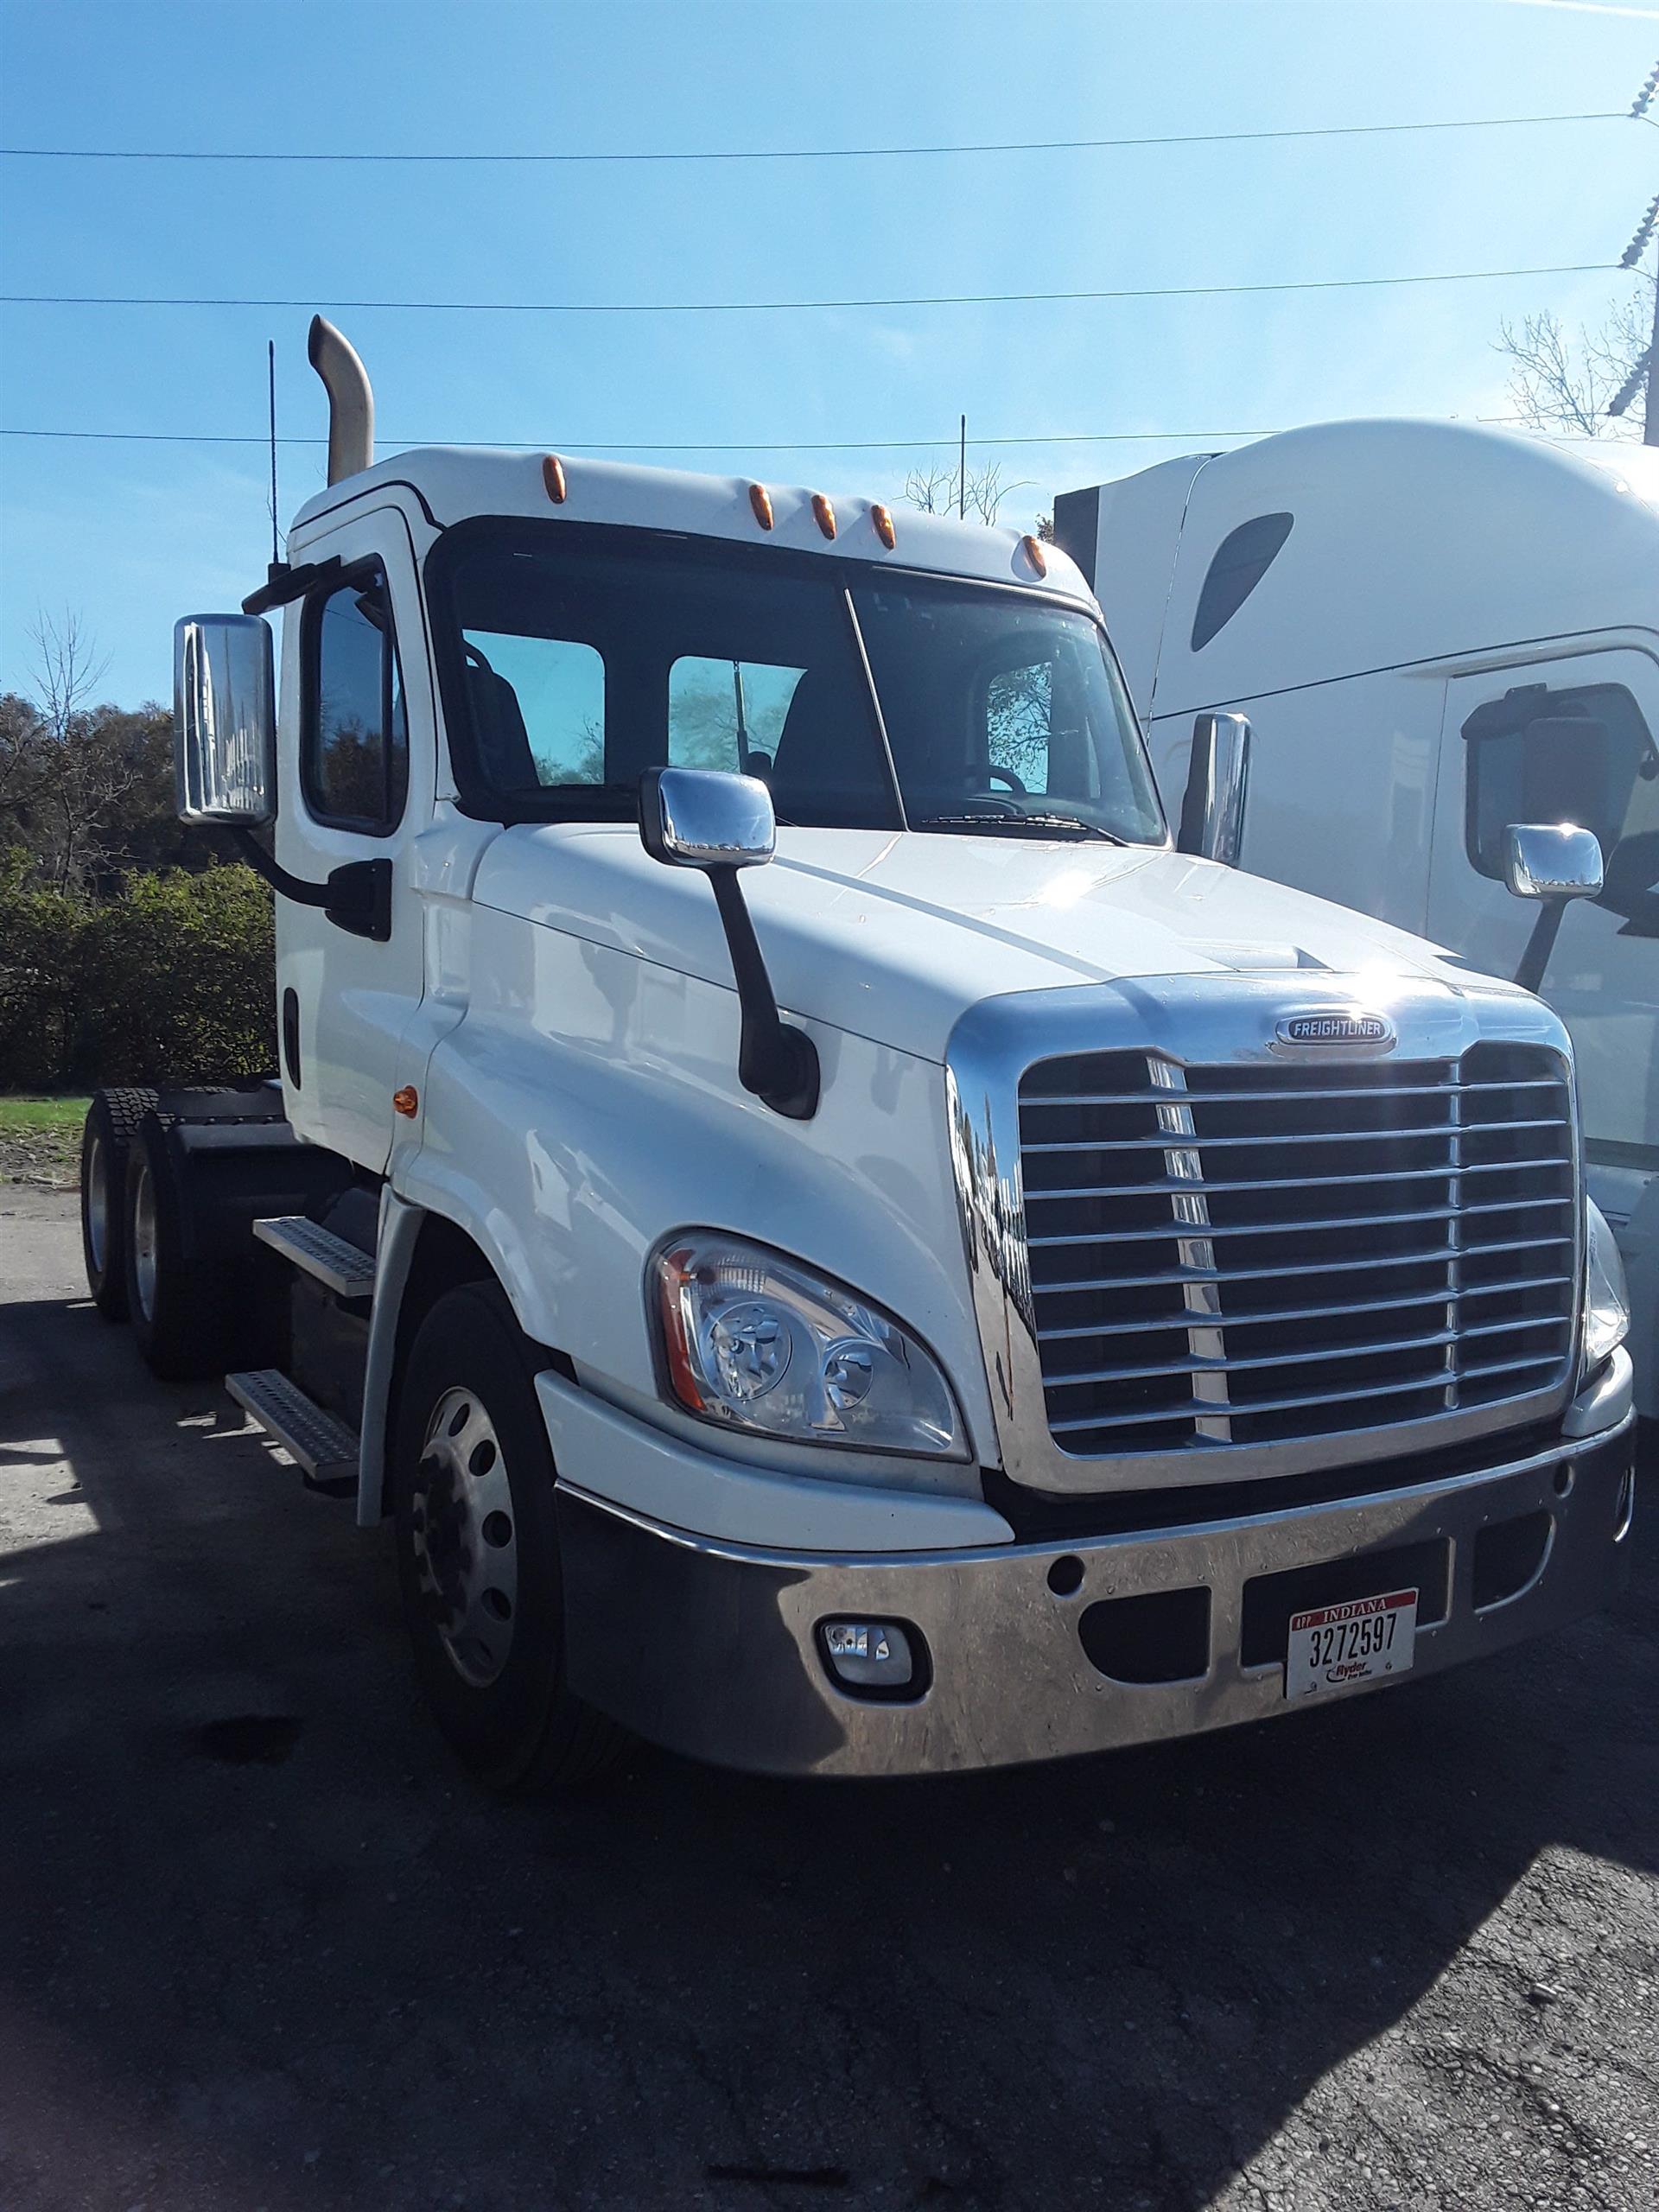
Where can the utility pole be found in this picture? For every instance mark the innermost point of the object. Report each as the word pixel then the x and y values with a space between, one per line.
pixel 1644 377
pixel 962 474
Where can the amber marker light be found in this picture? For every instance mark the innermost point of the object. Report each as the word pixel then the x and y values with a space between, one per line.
pixel 1035 554
pixel 882 518
pixel 673 1273
pixel 760 500
pixel 407 1100
pixel 825 513
pixel 553 477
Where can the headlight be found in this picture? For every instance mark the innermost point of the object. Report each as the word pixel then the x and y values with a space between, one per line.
pixel 1606 1299
pixel 754 1341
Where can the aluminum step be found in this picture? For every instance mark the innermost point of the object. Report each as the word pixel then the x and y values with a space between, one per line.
pixel 317 1251
pixel 324 1446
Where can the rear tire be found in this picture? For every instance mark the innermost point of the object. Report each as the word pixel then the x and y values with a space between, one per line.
pixel 112 1121
pixel 478 1555
pixel 179 1309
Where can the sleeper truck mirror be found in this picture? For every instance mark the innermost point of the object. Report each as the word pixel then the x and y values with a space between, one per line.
pixel 1551 862
pixel 1218 780
pixel 704 818
pixel 224 720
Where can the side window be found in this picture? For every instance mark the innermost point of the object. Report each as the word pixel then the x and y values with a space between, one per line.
pixel 728 713
pixel 1583 755
pixel 354 734
pixel 1242 559
pixel 1019 724
pixel 1036 728
pixel 538 708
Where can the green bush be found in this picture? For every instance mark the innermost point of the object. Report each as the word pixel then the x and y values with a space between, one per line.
pixel 169 981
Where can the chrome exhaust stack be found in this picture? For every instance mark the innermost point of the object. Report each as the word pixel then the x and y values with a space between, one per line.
pixel 351 399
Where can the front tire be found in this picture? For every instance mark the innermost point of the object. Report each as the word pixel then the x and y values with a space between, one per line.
pixel 478 1555
pixel 112 1121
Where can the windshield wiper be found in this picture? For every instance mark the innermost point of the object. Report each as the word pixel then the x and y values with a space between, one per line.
pixel 1042 825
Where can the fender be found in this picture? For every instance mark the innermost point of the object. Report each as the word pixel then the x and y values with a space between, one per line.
pixel 400 1228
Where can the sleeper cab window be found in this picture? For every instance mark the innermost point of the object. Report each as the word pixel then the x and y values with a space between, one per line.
pixel 1582 754
pixel 1242 559
pixel 354 730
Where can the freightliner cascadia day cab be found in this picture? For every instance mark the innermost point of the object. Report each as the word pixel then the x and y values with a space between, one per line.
pixel 1436 629
pixel 989 1285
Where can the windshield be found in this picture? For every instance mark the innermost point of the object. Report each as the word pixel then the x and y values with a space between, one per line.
pixel 574 658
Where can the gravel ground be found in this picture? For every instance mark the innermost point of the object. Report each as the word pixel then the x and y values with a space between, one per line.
pixel 262 1946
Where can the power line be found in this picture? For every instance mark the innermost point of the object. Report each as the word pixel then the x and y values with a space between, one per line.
pixel 566 158
pixel 798 306
pixel 586 445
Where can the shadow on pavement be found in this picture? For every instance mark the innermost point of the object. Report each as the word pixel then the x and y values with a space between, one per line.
pixel 260 1944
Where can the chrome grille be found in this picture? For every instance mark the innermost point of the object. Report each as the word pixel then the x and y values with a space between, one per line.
pixel 1240 1254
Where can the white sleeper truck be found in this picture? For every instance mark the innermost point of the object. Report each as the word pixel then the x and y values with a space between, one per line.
pixel 990 1285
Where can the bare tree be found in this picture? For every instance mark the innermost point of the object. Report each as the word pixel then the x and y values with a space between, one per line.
pixel 938 488
pixel 70 776
pixel 1559 382
pixel 66 668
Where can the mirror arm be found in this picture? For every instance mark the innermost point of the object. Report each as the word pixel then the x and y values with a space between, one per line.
pixel 356 898
pixel 777 1062
pixel 1544 931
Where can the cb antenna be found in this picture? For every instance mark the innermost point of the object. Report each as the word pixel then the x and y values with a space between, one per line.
pixel 270 382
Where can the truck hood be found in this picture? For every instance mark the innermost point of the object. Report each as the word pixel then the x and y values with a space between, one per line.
pixel 895 936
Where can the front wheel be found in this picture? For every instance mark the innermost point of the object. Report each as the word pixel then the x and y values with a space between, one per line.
pixel 478 1558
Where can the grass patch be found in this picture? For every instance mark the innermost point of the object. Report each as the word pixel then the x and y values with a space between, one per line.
pixel 40 1142
pixel 20 1115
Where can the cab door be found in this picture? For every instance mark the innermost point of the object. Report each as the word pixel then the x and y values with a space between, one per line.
pixel 356 775
pixel 1565 740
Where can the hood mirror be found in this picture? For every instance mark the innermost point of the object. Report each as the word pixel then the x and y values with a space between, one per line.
pixel 1551 863
pixel 701 817
pixel 704 818
pixel 1218 781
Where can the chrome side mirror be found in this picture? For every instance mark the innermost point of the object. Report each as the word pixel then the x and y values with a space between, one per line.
pixel 1218 781
pixel 703 817
pixel 224 720
pixel 1551 862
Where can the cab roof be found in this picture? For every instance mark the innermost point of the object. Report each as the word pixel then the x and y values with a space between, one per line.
pixel 451 483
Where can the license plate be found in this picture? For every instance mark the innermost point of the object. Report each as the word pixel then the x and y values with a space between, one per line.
pixel 1333 1647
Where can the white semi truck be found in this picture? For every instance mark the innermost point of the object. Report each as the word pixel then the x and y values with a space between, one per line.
pixel 1434 628
pixel 1117 1298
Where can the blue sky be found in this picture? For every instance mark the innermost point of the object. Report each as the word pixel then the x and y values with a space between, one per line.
pixel 131 535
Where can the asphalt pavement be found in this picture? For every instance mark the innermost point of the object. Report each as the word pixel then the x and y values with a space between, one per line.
pixel 261 1945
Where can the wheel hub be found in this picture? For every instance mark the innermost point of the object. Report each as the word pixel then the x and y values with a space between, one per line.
pixel 464 1538
pixel 98 1202
pixel 144 1240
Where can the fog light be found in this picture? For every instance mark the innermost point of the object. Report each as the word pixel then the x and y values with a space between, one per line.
pixel 869 1654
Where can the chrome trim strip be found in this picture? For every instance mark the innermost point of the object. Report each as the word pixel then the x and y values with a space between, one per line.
pixel 1183 1021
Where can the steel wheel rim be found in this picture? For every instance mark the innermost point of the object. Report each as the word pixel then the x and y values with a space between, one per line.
pixel 465 1538
pixel 144 1240
pixel 98 1203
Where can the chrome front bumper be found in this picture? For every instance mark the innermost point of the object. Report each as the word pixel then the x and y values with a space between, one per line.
pixel 711 1649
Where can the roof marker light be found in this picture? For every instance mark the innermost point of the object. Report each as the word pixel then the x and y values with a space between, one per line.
pixel 882 518
pixel 760 500
pixel 1035 553
pixel 825 513
pixel 553 477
